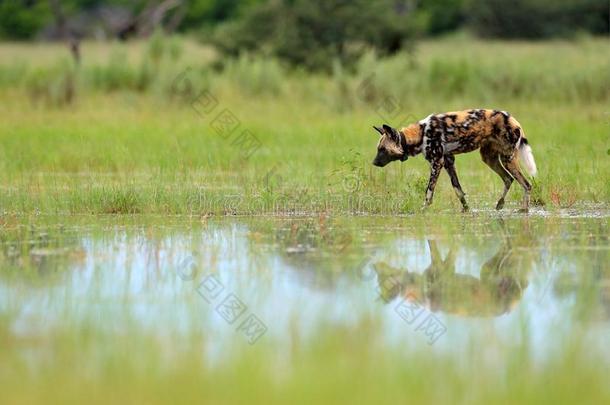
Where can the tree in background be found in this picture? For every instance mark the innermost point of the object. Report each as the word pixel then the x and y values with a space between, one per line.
pixel 440 16
pixel 334 24
pixel 537 18
pixel 202 13
pixel 314 33
pixel 23 19
pixel 61 19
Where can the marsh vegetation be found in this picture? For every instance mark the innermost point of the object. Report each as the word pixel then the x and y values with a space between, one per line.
pixel 127 179
pixel 159 128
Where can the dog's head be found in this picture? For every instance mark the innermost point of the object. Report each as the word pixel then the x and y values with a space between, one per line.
pixel 389 147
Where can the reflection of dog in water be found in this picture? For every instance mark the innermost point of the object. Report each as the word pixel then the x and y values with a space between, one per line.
pixel 502 281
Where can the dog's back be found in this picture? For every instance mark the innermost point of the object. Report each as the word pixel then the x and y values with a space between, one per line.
pixel 468 130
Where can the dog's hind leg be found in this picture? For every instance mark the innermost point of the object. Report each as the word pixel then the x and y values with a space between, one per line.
pixel 450 168
pixel 492 159
pixel 510 162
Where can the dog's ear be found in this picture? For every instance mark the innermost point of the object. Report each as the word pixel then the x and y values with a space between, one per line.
pixel 392 133
pixel 378 130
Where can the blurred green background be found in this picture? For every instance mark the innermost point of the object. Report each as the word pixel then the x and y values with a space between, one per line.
pixel 302 32
pixel 110 142
pixel 98 98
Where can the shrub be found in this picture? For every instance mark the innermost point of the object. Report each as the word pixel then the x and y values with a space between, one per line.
pixel 537 18
pixel 55 86
pixel 255 75
pixel 312 34
pixel 116 74
pixel 22 19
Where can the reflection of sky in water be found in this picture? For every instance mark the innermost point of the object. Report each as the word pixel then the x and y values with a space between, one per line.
pixel 132 281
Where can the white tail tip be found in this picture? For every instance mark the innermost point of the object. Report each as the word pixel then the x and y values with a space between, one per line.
pixel 527 158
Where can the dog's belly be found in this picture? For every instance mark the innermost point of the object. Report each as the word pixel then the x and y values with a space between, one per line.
pixel 462 144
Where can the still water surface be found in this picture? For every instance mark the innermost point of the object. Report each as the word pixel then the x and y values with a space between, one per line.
pixel 445 283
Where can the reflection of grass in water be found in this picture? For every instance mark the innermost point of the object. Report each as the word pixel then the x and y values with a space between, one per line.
pixel 340 365
pixel 109 356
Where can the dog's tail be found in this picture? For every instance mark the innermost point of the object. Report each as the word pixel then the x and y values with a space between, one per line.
pixel 527 157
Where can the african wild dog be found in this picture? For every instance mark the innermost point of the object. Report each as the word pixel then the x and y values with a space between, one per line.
pixel 499 137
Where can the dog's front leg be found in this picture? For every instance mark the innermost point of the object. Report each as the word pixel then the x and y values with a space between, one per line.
pixel 435 170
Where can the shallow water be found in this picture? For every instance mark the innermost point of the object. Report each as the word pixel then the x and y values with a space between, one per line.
pixel 446 283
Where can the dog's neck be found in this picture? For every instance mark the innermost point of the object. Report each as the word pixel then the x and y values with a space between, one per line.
pixel 410 141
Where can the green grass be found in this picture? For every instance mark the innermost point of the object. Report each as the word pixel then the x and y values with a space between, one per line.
pixel 121 136
pixel 117 136
pixel 119 153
